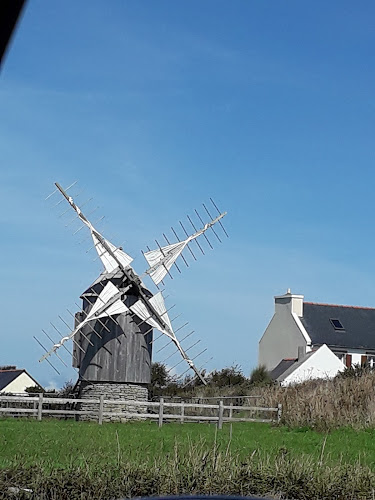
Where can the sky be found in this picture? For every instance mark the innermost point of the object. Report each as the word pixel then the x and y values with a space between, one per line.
pixel 154 107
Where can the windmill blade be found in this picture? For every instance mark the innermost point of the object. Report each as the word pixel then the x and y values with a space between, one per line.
pixel 157 301
pixel 110 255
pixel 158 305
pixel 163 258
pixel 108 303
pixel 109 292
pixel 109 262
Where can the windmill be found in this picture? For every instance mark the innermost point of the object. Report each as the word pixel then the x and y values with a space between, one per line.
pixel 112 335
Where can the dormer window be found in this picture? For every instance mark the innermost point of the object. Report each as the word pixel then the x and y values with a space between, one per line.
pixel 336 323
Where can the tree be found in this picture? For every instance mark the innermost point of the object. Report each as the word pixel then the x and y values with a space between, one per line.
pixel 260 376
pixel 227 377
pixel 67 389
pixel 159 379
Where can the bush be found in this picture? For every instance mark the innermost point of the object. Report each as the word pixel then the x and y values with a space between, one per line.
pixel 159 380
pixel 260 376
pixel 67 390
pixel 227 377
pixel 35 389
pixel 355 371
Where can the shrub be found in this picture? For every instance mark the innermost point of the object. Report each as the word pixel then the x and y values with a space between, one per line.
pixel 260 376
pixel 227 377
pixel 355 371
pixel 35 389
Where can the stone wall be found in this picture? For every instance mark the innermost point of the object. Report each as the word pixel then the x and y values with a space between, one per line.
pixel 114 391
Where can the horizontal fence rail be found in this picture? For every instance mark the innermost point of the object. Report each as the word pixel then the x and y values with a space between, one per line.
pixel 161 411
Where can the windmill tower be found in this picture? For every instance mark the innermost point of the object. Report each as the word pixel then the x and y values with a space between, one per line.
pixel 113 333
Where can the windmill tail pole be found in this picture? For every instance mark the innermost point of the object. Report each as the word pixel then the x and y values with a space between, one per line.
pixel 190 362
pixel 197 372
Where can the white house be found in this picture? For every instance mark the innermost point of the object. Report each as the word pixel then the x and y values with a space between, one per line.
pixel 15 381
pixel 303 327
pixel 320 363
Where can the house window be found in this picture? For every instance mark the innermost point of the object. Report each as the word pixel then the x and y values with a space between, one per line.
pixel 336 323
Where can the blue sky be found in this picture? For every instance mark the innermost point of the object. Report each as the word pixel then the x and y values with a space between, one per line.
pixel 268 107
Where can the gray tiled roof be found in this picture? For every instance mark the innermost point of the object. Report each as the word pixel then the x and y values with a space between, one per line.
pixel 287 366
pixel 7 376
pixel 281 368
pixel 358 323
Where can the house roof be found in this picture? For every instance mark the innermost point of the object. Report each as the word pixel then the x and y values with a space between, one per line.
pixel 287 366
pixel 7 376
pixel 358 325
pixel 281 367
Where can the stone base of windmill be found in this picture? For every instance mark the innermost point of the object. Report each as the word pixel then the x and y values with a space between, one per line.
pixel 116 392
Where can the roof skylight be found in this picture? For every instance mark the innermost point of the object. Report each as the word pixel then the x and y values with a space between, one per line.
pixel 336 323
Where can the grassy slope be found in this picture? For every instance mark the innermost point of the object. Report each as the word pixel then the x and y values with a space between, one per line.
pixel 61 444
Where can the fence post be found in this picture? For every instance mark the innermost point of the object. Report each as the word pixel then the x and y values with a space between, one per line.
pixel 279 412
pixel 101 408
pixel 161 405
pixel 40 406
pixel 231 411
pixel 182 412
pixel 230 416
pixel 220 416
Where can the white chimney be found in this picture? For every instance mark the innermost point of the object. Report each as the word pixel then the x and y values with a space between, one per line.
pixel 293 302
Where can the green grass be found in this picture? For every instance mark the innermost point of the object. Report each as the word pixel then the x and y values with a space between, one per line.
pixel 73 460
pixel 61 444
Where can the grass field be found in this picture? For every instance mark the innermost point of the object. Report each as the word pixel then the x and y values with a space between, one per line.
pixel 61 444
pixel 64 459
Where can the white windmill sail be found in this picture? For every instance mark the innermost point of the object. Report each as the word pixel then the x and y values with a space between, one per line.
pixel 108 293
pixel 98 310
pixel 157 301
pixel 110 255
pixel 117 307
pixel 163 258
pixel 110 263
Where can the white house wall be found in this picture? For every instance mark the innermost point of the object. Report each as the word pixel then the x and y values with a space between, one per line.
pixel 321 364
pixel 281 339
pixel 18 385
pixel 356 355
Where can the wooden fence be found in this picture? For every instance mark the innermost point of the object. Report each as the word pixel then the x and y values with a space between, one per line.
pixel 159 411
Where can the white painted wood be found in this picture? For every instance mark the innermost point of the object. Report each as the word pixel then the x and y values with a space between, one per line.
pixel 242 419
pixel 182 412
pixel 18 410
pixel 279 412
pixel 161 417
pixel 161 405
pixel 220 415
pixel 40 406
